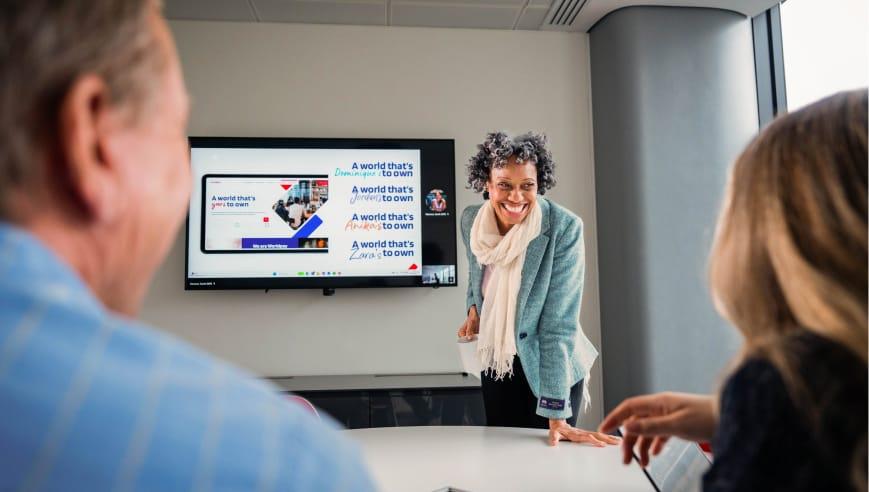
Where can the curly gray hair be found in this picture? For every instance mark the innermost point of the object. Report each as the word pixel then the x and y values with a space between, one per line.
pixel 498 148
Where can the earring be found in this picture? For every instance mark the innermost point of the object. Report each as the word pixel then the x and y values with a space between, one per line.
pixel 485 195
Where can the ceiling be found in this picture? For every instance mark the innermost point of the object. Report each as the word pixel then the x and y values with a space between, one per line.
pixel 546 15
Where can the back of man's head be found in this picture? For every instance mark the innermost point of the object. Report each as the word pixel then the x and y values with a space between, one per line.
pixel 45 45
pixel 93 112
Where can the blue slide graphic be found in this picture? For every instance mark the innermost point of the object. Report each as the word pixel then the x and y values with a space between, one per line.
pixel 308 228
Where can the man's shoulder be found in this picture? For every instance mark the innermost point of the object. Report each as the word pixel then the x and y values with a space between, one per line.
pixel 130 383
pixel 192 367
pixel 251 416
pixel 68 337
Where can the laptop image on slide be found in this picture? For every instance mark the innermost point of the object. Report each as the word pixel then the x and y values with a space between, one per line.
pixel 678 468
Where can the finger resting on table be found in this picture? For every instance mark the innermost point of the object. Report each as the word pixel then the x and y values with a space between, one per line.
pixel 588 437
pixel 609 439
pixel 554 437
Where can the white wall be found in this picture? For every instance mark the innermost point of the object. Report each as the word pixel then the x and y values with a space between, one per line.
pixel 279 80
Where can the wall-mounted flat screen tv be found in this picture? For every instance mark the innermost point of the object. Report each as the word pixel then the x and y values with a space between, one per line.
pixel 271 213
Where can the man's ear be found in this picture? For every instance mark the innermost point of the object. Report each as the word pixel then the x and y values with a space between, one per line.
pixel 86 171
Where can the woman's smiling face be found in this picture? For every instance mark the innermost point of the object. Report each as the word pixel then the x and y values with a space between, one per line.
pixel 512 191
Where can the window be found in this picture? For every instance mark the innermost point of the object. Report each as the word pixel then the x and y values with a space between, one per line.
pixel 825 48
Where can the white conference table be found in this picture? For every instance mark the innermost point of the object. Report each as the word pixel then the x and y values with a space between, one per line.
pixel 481 459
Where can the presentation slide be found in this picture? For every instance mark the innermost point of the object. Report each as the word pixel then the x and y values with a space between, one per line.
pixel 306 212
pixel 256 213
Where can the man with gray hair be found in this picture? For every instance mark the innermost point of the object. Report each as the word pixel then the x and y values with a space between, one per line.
pixel 93 115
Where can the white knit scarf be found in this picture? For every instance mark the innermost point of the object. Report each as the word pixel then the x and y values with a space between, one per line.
pixel 505 256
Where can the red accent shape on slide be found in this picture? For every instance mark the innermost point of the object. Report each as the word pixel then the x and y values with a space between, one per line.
pixel 286 187
pixel 265 219
pixel 413 267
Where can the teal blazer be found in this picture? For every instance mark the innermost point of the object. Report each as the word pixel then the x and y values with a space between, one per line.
pixel 554 351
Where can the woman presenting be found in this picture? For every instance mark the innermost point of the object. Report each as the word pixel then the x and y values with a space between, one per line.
pixel 527 261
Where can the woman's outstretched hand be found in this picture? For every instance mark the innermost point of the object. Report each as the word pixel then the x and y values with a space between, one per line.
pixel 650 420
pixel 471 327
pixel 560 430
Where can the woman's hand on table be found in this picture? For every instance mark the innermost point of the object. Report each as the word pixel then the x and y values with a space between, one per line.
pixel 471 327
pixel 560 430
pixel 650 420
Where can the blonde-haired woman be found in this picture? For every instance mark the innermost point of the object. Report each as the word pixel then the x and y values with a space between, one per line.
pixel 789 270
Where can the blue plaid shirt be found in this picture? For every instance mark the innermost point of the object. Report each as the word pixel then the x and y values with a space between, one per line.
pixel 92 401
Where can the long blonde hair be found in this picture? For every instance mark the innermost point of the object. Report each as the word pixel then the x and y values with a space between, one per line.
pixel 790 251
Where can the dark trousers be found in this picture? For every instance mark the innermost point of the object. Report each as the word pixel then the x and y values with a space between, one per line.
pixel 510 402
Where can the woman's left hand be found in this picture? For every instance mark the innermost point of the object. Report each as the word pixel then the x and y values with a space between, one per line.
pixel 561 430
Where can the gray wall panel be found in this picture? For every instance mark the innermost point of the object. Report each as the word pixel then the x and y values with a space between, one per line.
pixel 674 101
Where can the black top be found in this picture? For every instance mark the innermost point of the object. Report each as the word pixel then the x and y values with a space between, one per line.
pixel 764 442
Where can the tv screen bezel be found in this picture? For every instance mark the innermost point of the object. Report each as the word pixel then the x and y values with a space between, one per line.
pixel 444 148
